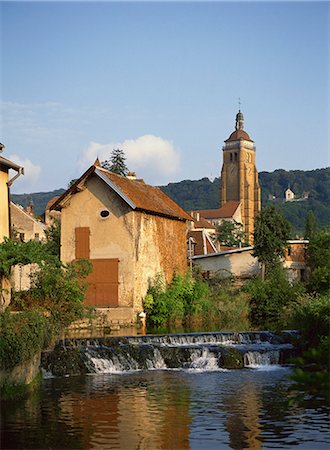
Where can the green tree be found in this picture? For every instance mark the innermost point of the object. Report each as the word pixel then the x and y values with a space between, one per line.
pixel 271 232
pixel 310 225
pixel 53 236
pixel 318 257
pixel 116 163
pixel 230 233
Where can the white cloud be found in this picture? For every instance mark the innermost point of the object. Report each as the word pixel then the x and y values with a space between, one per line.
pixel 151 157
pixel 31 175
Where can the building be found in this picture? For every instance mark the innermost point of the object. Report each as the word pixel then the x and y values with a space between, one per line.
pixel 130 232
pixel 232 210
pixel 295 259
pixel 51 215
pixel 241 263
pixel 5 182
pixel 24 225
pixel 238 262
pixel 200 237
pixel 239 176
pixel 289 195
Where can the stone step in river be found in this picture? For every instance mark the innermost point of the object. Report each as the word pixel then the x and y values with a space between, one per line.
pixel 189 351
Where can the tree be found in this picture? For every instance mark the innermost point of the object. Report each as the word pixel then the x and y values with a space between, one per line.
pixel 230 233
pixel 116 163
pixel 271 232
pixel 318 258
pixel 310 226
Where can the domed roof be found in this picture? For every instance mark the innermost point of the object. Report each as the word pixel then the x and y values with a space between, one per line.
pixel 238 135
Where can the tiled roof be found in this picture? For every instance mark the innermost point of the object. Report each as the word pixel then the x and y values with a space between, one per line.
pixel 146 197
pixel 237 135
pixel 51 202
pixel 228 210
pixel 203 223
pixel 198 238
pixel 136 193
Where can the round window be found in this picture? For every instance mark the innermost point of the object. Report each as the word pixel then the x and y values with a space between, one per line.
pixel 104 213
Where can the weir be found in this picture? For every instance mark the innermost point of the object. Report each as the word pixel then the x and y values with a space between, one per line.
pixel 189 351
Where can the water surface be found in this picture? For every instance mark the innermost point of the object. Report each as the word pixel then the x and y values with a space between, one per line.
pixel 167 409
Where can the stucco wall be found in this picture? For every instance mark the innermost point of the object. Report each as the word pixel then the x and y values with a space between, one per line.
pixel 23 223
pixel 241 264
pixel 4 213
pixel 144 244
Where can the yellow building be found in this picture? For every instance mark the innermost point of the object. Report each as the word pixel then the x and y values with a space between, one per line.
pixel 239 176
pixel 130 232
pixel 5 183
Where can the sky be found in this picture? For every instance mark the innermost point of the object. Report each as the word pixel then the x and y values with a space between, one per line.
pixel 162 81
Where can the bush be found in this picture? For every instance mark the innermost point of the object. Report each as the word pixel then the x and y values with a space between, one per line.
pixel 271 297
pixel 61 290
pixel 22 335
pixel 312 317
pixel 193 301
pixel 183 300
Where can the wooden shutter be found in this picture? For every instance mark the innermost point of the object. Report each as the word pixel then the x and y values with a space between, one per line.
pixel 82 242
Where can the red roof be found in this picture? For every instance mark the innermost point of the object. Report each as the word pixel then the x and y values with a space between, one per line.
pixel 228 210
pixel 198 238
pixel 51 202
pixel 237 135
pixel 203 223
pixel 139 195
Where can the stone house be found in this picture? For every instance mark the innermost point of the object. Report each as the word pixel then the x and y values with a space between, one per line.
pixel 129 230
pixel 25 225
pixel 5 183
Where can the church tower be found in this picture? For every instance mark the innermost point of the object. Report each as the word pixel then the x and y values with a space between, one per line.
pixel 239 176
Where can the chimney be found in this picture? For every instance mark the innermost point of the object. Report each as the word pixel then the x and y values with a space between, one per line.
pixel 131 176
pixel 30 208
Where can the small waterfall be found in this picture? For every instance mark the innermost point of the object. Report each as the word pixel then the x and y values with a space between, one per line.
pixel 203 360
pixel 193 352
pixel 254 359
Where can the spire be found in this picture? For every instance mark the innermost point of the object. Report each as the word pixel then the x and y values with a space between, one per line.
pixel 239 121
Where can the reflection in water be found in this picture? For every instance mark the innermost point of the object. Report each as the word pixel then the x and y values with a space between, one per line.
pixel 128 416
pixel 238 409
pixel 243 418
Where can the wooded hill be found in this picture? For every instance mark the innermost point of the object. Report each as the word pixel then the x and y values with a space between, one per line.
pixel 204 194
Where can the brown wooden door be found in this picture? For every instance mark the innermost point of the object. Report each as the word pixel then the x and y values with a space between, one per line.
pixel 103 283
pixel 82 242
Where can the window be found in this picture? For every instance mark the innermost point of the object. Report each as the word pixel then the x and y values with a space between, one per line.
pixel 236 156
pixel 231 157
pixel 104 213
pixel 289 251
pixel 36 236
pixel 21 237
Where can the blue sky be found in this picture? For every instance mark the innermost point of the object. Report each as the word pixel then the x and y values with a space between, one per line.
pixel 161 81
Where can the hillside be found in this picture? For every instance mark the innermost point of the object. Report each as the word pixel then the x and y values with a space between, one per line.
pixel 204 194
pixel 39 199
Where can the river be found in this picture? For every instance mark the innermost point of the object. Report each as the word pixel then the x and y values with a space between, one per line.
pixel 199 405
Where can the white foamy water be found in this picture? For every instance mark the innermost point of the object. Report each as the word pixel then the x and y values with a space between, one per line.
pixel 256 359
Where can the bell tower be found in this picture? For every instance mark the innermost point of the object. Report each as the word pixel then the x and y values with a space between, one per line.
pixel 239 176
